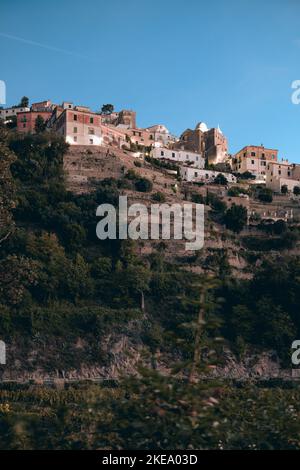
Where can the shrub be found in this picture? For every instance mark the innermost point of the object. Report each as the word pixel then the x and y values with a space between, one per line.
pixel 265 195
pixel 216 203
pixel 197 198
pixel 220 179
pixel 296 190
pixel 236 191
pixel 159 197
pixel 236 218
pixel 143 185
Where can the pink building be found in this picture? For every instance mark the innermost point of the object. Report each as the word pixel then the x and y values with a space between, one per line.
pixel 80 126
pixel 26 121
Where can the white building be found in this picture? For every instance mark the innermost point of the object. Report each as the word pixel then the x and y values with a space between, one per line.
pixel 8 113
pixel 180 156
pixel 199 175
pixel 160 135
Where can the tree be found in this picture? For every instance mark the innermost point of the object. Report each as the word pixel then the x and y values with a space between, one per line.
pixel 296 190
pixel 265 195
pixel 159 197
pixel 24 103
pixel 247 175
pixel 284 189
pixel 39 125
pixel 235 218
pixel 107 109
pixel 220 179
pixel 7 188
pixel 143 185
pixel 236 191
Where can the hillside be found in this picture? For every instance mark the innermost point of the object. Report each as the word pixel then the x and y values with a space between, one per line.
pixel 79 314
pixel 191 330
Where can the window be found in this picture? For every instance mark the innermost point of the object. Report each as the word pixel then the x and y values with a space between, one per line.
pixel 173 154
pixel 91 141
pixel 75 117
pixel 252 154
pixel 196 173
pixel 289 173
pixel 75 138
pixel 162 153
pixel 252 162
pixel 91 131
pixel 24 125
pixel 279 172
pixel 75 130
pixel 92 120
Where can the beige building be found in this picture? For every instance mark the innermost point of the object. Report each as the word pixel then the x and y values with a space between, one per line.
pixel 211 143
pixel 282 173
pixel 254 159
pixel 160 135
pixel 124 118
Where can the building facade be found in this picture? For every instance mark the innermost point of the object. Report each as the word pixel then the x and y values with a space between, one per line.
pixel 80 126
pixel 254 159
pixel 160 136
pixel 26 121
pixel 282 173
pixel 211 143
pixel 197 175
pixel 124 118
pixel 7 113
pixel 178 156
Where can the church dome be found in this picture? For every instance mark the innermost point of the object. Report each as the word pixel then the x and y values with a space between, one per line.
pixel 202 127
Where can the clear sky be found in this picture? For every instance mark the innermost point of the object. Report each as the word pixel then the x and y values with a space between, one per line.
pixel 176 62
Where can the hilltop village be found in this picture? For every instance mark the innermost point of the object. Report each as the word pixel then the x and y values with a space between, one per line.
pixel 108 143
pixel 201 153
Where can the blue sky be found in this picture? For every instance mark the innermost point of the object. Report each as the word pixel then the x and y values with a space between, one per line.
pixel 175 62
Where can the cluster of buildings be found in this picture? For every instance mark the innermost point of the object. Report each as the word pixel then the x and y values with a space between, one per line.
pixel 201 153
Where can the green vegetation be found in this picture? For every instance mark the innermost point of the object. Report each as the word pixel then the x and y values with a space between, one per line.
pixel 143 185
pixel 235 218
pixel 70 298
pixel 265 195
pixel 107 109
pixel 159 197
pixel 220 179
pixel 24 103
pixel 235 191
pixel 40 124
pixel 296 190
